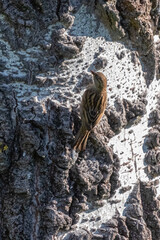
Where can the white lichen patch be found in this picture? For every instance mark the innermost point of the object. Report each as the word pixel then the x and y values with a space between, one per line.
pixel 9 58
pixel 123 70
pixel 86 24
pixel 12 62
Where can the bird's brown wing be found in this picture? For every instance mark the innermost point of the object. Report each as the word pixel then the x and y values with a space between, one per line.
pixel 92 107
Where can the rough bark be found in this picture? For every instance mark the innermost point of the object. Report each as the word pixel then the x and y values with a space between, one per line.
pixel 48 191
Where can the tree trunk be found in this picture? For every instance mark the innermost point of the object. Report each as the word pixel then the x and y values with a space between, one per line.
pixel 47 190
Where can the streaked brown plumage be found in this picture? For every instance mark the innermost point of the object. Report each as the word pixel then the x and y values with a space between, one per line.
pixel 92 108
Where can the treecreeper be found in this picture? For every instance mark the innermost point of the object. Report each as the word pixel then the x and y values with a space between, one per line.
pixel 92 108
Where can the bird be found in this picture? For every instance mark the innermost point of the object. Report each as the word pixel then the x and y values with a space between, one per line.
pixel 93 105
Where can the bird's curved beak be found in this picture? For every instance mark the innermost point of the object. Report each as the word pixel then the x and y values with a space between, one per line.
pixel 93 72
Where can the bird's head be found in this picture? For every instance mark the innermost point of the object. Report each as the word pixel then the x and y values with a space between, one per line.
pixel 100 80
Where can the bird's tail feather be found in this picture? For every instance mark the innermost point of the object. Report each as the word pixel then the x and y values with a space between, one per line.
pixel 81 139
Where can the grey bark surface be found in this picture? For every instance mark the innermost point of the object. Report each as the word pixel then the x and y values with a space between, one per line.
pixel 48 191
